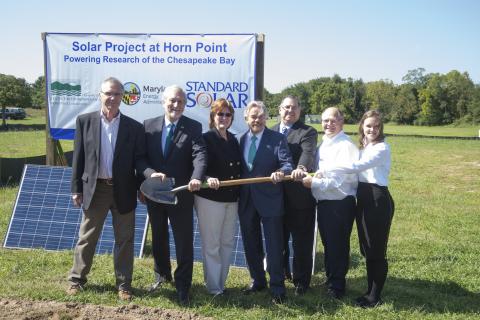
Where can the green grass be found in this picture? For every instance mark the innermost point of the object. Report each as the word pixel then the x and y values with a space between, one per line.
pixel 433 252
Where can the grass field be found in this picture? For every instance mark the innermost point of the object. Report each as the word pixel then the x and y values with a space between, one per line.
pixel 434 251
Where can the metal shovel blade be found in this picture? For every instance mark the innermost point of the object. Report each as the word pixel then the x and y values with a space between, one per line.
pixel 159 191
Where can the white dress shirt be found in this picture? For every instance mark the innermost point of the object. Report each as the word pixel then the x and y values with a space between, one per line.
pixel 335 151
pixel 109 132
pixel 372 167
pixel 248 142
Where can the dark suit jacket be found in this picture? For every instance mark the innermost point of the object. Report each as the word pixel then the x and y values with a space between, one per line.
pixel 129 152
pixel 302 142
pixel 224 163
pixel 187 157
pixel 272 155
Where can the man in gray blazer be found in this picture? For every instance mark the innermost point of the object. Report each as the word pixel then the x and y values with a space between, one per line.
pixel 299 220
pixel 108 148
pixel 265 153
pixel 175 149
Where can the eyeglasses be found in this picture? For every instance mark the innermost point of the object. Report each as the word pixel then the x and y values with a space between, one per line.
pixel 290 107
pixel 223 114
pixel 113 94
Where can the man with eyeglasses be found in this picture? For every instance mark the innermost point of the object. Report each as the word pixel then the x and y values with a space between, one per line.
pixel 299 219
pixel 108 149
pixel 175 149
pixel 336 199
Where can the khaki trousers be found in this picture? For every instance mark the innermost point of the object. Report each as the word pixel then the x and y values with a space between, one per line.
pixel 216 221
pixel 90 229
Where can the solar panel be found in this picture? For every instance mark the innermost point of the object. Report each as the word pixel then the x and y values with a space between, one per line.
pixel 44 215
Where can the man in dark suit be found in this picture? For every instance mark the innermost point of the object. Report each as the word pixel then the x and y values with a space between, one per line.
pixel 108 147
pixel 265 153
pixel 175 148
pixel 299 220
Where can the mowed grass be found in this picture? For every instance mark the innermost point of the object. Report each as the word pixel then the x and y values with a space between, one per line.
pixel 433 252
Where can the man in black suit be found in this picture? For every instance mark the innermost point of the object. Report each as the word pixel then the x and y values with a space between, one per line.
pixel 265 153
pixel 108 148
pixel 299 220
pixel 175 149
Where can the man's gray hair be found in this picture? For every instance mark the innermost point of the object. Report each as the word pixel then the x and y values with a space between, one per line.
pixel 170 90
pixel 255 104
pixel 115 81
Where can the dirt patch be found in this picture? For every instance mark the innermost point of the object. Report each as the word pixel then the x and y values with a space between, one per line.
pixel 40 310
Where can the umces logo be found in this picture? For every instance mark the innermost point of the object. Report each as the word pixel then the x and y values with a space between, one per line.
pixel 132 93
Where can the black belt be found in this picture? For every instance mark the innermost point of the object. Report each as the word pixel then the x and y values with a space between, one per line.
pixel 108 182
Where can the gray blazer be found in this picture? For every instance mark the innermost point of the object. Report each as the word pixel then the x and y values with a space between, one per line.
pixel 129 154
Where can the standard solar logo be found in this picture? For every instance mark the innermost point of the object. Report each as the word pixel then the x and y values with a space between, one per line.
pixel 132 93
pixel 65 89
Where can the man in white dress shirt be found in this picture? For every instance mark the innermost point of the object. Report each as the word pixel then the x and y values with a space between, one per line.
pixel 335 194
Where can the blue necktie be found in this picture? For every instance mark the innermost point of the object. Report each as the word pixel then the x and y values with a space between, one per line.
pixel 169 139
pixel 251 152
pixel 284 130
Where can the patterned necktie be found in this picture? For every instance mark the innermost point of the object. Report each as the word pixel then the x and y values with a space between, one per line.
pixel 251 152
pixel 169 139
pixel 284 130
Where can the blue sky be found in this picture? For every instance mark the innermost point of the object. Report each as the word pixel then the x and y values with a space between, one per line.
pixel 369 39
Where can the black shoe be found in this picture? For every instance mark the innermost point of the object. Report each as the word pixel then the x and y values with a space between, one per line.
pixel 278 298
pixel 365 303
pixel 253 288
pixel 335 294
pixel 183 298
pixel 157 284
pixel 300 290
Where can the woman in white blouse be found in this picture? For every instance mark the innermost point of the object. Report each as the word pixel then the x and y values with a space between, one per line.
pixel 375 206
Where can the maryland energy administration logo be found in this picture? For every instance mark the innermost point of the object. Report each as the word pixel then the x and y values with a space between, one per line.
pixel 132 93
pixel 65 89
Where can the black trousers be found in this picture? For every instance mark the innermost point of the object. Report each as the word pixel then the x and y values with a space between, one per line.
pixel 300 225
pixel 335 222
pixel 181 220
pixel 375 208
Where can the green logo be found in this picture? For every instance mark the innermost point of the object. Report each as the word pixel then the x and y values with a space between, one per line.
pixel 65 89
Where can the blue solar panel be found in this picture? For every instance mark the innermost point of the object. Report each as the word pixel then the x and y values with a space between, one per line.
pixel 44 215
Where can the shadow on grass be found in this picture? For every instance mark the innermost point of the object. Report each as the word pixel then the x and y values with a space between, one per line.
pixel 23 127
pixel 430 296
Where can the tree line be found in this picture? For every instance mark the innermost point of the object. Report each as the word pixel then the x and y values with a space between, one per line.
pixel 422 99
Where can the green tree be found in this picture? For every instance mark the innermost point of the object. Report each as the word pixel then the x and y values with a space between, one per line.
pixel 38 93
pixel 447 98
pixel 381 95
pixel 13 92
pixel 406 107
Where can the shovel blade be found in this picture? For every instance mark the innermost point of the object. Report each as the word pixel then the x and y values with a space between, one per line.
pixel 159 191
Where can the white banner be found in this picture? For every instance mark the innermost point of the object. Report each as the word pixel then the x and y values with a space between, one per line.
pixel 207 67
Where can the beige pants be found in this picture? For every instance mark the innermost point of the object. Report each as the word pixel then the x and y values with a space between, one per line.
pixel 90 229
pixel 216 221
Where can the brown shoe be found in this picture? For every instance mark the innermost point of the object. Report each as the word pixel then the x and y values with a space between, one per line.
pixel 74 289
pixel 125 294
